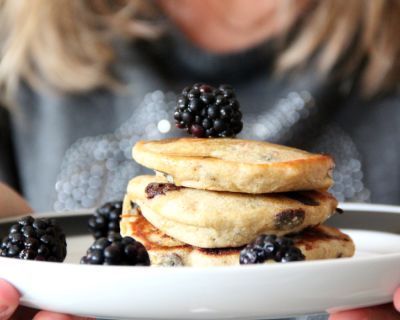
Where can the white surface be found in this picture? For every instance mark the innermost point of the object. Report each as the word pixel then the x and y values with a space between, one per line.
pixel 369 207
pixel 244 292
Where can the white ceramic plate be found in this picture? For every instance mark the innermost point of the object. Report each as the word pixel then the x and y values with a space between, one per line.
pixel 243 292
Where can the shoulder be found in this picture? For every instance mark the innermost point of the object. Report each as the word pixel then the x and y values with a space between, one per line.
pixel 386 102
pixel 373 126
pixel 382 111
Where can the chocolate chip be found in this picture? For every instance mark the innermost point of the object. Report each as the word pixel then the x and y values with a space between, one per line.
pixel 219 251
pixel 303 198
pixel 134 205
pixel 289 219
pixel 154 189
pixel 339 211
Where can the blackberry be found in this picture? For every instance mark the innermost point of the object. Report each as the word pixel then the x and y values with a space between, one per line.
pixel 269 247
pixel 205 111
pixel 106 219
pixel 35 239
pixel 115 250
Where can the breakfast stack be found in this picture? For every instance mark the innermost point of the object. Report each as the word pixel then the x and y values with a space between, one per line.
pixel 215 202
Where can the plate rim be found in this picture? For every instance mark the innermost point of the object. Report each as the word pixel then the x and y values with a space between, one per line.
pixel 370 207
pixel 353 206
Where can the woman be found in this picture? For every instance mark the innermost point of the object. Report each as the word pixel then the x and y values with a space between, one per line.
pixel 319 75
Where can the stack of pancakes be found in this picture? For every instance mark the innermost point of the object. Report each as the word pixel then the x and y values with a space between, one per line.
pixel 212 197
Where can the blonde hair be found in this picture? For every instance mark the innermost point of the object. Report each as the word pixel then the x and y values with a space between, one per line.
pixel 68 44
pixel 365 31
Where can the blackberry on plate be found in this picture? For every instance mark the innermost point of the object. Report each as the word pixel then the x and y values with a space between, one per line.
pixel 115 250
pixel 205 111
pixel 35 239
pixel 106 219
pixel 270 247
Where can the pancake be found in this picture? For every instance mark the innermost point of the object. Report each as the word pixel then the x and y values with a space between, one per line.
pixel 235 165
pixel 211 219
pixel 321 242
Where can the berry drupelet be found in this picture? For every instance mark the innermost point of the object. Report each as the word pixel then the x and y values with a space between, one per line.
pixel 269 247
pixel 205 111
pixel 115 250
pixel 106 219
pixel 35 239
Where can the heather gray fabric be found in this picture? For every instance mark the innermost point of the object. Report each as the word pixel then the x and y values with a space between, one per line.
pixel 45 126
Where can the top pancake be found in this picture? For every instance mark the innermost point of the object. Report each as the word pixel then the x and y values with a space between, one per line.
pixel 235 165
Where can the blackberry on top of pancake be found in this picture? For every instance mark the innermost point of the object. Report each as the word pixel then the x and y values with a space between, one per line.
pixel 205 111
